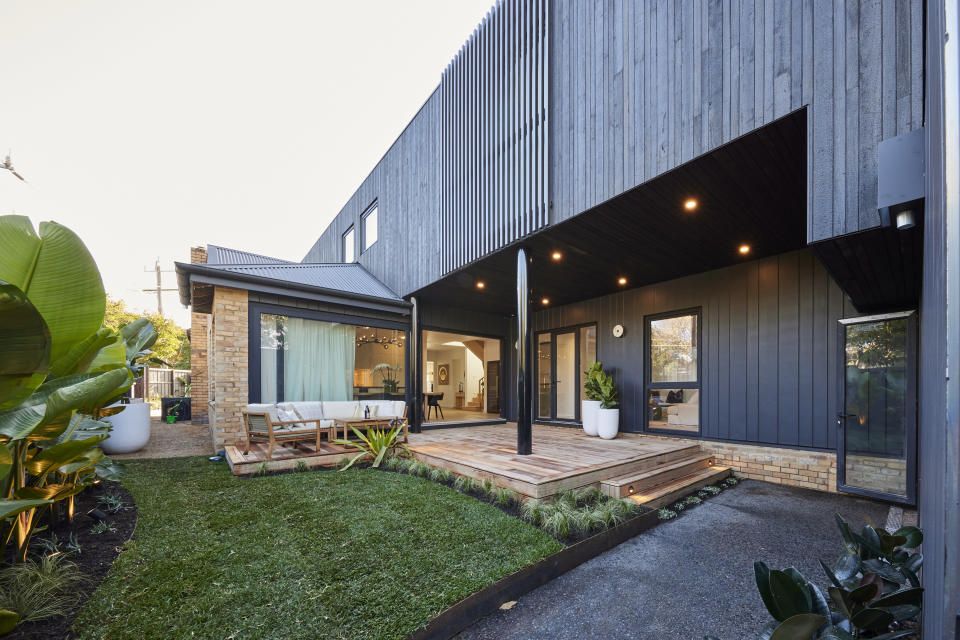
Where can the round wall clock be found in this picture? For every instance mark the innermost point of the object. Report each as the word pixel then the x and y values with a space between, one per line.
pixel 618 331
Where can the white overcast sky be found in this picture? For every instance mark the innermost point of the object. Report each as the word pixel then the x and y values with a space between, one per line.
pixel 149 127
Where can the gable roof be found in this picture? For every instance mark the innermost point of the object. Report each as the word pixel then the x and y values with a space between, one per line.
pixel 347 284
pixel 348 278
pixel 224 255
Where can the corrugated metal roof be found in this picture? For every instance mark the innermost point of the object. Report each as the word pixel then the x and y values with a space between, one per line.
pixel 350 278
pixel 223 255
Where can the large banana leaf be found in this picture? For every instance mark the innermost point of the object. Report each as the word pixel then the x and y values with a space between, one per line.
pixel 59 276
pixel 13 507
pixel 55 401
pixel 80 356
pixel 24 345
pixel 44 461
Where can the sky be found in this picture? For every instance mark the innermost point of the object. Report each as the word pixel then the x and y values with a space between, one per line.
pixel 148 127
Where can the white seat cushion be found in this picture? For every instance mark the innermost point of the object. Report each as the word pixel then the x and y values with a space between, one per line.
pixel 264 408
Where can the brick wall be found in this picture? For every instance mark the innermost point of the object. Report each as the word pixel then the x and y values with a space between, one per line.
pixel 228 365
pixel 198 354
pixel 793 467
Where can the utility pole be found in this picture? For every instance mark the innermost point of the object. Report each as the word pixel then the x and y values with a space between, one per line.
pixel 159 290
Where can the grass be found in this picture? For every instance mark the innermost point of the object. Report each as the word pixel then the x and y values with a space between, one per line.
pixel 353 554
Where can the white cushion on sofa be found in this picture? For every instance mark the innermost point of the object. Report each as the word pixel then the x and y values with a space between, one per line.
pixel 340 409
pixel 309 410
pixel 388 408
pixel 264 408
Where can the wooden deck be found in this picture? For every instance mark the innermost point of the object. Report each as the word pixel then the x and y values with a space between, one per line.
pixel 563 458
pixel 285 456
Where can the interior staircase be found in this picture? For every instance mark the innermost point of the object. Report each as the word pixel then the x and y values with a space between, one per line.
pixel 667 479
pixel 475 405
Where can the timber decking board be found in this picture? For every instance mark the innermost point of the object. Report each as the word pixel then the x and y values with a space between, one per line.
pixel 562 457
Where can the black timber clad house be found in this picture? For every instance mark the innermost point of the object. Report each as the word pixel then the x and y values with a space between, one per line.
pixel 818 141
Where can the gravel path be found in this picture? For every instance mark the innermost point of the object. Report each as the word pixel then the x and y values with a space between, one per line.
pixel 691 576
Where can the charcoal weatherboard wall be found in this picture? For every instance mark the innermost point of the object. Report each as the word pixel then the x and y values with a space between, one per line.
pixel 769 347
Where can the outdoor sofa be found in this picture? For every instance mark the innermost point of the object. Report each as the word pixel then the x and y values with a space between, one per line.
pixel 307 421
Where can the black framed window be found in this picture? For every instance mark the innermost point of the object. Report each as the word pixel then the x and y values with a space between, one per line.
pixel 350 245
pixel 370 221
pixel 673 380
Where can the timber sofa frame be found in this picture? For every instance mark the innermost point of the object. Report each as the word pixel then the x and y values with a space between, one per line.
pixel 262 428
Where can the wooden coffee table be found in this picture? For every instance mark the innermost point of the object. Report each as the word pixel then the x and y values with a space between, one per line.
pixel 365 424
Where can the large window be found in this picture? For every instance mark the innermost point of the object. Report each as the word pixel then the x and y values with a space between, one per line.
pixel 305 359
pixel 370 227
pixel 349 244
pixel 673 372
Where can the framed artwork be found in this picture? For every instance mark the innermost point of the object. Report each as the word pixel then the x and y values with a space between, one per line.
pixel 443 374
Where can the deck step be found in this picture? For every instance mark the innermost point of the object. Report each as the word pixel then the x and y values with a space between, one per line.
pixel 639 482
pixel 671 491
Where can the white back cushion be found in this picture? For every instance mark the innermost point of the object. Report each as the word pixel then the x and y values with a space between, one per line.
pixel 264 408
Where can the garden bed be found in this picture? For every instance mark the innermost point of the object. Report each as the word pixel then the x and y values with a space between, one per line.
pixel 97 552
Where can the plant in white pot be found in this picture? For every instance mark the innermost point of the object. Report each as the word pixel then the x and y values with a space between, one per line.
pixel 131 426
pixel 590 406
pixel 608 415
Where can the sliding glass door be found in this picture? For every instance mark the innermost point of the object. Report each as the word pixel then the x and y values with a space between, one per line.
pixel 562 355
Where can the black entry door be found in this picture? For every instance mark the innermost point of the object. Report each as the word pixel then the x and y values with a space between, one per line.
pixel 876 444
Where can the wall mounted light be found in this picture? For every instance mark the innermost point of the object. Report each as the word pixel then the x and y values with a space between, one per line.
pixel 906 220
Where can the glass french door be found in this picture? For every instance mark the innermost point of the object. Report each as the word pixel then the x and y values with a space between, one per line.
pixel 876 444
pixel 561 357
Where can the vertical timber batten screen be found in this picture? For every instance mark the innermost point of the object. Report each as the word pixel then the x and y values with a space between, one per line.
pixel 494 134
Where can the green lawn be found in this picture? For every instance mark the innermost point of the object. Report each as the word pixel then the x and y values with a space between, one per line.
pixel 358 554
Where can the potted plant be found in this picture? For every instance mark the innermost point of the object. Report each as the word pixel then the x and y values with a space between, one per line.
pixel 590 406
pixel 608 415
pixel 389 374
pixel 131 426
pixel 176 408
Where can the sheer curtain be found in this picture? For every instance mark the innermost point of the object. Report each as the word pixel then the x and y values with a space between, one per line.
pixel 318 360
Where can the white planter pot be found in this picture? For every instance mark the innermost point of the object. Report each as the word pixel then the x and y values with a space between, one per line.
pixel 588 414
pixel 131 429
pixel 608 423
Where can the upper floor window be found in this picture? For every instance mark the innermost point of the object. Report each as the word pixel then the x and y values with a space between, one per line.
pixel 370 227
pixel 349 244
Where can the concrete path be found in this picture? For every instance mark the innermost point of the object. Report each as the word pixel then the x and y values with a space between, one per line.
pixel 691 576
pixel 173 441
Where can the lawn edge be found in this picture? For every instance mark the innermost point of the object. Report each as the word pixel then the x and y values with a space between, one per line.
pixel 482 603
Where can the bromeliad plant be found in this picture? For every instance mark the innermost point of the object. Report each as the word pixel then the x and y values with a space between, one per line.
pixel 60 369
pixel 375 443
pixel 874 589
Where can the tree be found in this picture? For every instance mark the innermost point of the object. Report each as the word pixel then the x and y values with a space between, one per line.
pixel 172 347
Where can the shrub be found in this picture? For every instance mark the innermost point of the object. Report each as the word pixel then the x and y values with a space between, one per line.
pixel 112 502
pixel 487 485
pixel 692 500
pixel 440 475
pixel 503 496
pixel 392 463
pixel 532 511
pixel 102 527
pixel 678 506
pixel 403 464
pixel 466 484
pixel 302 466
pixel 39 590
pixel 375 444
pixel 418 468
pixel 587 495
pixel 712 490
pixel 731 481
pixel 666 514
